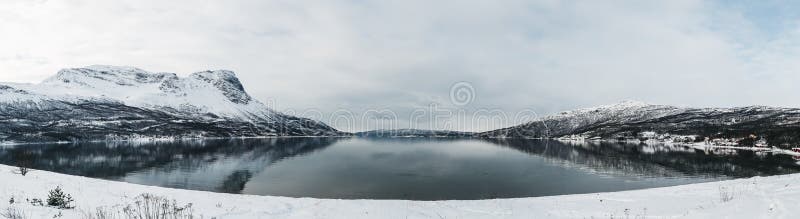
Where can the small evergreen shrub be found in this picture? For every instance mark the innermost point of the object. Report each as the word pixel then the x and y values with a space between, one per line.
pixel 58 199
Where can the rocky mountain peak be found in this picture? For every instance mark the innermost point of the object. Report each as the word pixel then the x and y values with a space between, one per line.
pixel 95 75
pixel 113 102
pixel 106 78
pixel 227 82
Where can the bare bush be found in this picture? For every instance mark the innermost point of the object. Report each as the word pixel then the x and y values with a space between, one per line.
pixel 725 194
pixel 101 213
pixel 13 213
pixel 145 206
pixel 148 206
pixel 23 161
pixel 23 170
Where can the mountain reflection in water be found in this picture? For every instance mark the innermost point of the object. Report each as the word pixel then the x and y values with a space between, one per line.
pixel 397 168
pixel 222 165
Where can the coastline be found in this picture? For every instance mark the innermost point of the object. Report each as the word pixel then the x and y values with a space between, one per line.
pixel 154 139
pixel 694 145
pixel 757 197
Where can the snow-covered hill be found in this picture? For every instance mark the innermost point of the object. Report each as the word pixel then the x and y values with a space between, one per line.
pixel 101 102
pixel 628 119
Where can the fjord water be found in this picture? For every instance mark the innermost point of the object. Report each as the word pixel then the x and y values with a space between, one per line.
pixel 397 168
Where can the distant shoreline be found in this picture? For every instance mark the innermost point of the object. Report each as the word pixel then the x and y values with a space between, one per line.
pixel 700 146
pixel 145 140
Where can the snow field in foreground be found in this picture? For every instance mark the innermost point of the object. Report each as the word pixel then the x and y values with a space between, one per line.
pixel 759 197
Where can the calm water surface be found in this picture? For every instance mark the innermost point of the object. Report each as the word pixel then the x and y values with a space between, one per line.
pixel 398 168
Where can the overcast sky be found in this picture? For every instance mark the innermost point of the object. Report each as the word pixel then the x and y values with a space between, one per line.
pixel 326 56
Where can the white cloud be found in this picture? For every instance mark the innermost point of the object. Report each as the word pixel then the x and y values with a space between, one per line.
pixel 399 55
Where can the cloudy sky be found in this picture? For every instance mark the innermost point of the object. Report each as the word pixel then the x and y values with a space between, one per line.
pixel 356 55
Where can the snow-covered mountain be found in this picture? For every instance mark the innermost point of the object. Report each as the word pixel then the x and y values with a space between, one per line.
pixel 628 119
pixel 102 102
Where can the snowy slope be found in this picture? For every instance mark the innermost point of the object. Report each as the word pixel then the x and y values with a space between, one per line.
pixel 578 121
pixel 217 92
pixel 124 102
pixel 627 119
pixel 759 197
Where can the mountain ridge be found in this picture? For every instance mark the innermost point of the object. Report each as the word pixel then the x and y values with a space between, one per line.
pixel 625 120
pixel 101 102
pixel 111 102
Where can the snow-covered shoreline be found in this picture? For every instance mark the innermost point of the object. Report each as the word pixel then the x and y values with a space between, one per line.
pixel 166 139
pixel 759 197
pixel 694 145
pixel 701 146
